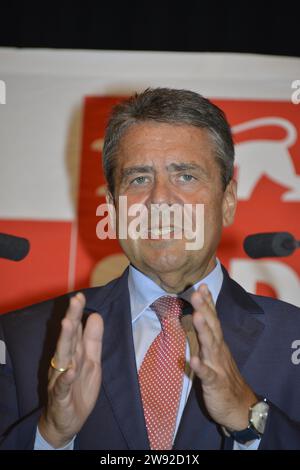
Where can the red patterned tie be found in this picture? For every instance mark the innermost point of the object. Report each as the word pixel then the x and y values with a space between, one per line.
pixel 161 374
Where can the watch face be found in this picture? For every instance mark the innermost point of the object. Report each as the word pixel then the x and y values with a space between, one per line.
pixel 259 415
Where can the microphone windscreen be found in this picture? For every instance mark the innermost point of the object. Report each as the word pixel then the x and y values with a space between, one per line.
pixel 13 248
pixel 261 245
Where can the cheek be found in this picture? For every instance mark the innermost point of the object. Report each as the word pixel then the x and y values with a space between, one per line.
pixel 129 248
pixel 131 245
pixel 213 216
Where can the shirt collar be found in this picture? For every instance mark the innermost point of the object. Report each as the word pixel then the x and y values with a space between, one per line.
pixel 143 291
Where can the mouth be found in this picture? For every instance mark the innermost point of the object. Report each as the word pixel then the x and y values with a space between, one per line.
pixel 156 233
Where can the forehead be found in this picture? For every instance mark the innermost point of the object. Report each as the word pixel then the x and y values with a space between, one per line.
pixel 160 142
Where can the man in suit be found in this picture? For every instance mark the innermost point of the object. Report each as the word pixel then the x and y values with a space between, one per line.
pixel 148 386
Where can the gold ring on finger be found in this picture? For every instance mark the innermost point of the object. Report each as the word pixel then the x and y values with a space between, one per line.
pixel 58 369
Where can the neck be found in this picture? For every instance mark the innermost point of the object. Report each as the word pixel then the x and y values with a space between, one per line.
pixel 177 282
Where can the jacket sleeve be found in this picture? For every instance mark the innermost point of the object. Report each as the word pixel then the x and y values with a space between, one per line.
pixel 281 432
pixel 15 433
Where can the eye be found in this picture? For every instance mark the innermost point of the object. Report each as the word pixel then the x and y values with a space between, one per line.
pixel 186 178
pixel 139 180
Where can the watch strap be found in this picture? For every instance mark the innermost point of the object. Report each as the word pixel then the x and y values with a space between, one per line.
pixel 250 433
pixel 245 435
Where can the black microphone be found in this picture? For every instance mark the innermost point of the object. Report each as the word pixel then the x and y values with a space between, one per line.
pixel 261 245
pixel 13 248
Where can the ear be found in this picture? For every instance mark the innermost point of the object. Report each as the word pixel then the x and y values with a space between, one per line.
pixel 111 208
pixel 109 197
pixel 229 203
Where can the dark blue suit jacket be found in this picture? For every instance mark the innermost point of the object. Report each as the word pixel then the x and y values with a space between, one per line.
pixel 259 332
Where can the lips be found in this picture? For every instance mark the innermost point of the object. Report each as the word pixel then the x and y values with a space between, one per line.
pixel 156 232
pixel 162 231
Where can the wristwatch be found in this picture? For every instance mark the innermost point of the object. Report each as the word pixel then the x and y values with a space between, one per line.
pixel 258 414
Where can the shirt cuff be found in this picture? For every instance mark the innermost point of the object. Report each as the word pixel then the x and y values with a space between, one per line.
pixel 41 444
pixel 253 445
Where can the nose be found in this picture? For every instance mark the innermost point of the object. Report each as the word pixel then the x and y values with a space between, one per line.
pixel 161 192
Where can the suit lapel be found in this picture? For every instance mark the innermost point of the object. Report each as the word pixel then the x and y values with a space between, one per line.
pixel 120 380
pixel 242 329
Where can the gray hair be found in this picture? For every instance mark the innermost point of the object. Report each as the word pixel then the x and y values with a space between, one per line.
pixel 171 106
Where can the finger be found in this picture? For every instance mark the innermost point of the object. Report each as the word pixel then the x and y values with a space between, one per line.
pixel 63 383
pixel 209 347
pixel 205 373
pixel 203 288
pixel 203 306
pixel 75 311
pixel 203 295
pixel 77 340
pixel 78 355
pixel 207 340
pixel 200 305
pixel 92 337
pixel 76 306
pixel 63 354
pixel 66 344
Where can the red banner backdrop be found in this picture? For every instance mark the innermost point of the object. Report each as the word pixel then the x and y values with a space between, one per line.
pixel 66 256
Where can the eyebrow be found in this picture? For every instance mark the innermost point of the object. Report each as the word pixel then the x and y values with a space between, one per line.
pixel 133 170
pixel 184 166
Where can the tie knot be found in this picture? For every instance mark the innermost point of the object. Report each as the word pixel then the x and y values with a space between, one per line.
pixel 167 307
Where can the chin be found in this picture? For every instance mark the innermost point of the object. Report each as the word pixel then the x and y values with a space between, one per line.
pixel 164 261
